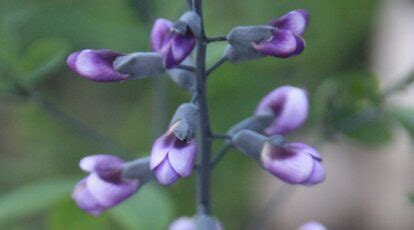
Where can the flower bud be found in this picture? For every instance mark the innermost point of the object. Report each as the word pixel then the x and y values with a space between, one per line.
pixel 290 106
pixel 185 121
pixel 104 187
pixel 294 163
pixel 139 65
pixel 192 21
pixel 249 142
pixel 173 46
pixel 202 222
pixel 172 158
pixel 96 65
pixel 183 78
pixel 313 225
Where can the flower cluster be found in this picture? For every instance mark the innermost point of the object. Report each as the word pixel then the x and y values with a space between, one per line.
pixel 174 154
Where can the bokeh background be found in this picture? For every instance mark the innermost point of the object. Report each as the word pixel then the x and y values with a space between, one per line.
pixel 358 55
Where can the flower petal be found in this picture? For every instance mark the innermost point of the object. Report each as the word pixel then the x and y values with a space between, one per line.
pixel 96 65
pixel 182 157
pixel 293 167
pixel 318 174
pixel 306 148
pixel 313 225
pixel 295 21
pixel 71 60
pixel 290 106
pixel 100 162
pixel 109 194
pixel 283 44
pixel 182 47
pixel 85 200
pixel 183 223
pixel 162 27
pixel 300 45
pixel 160 149
pixel 165 173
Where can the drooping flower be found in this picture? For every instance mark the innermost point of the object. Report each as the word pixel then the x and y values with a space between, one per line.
pixel 172 158
pixel 104 187
pixel 290 106
pixel 173 45
pixel 312 225
pixel 188 223
pixel 96 65
pixel 286 40
pixel 294 163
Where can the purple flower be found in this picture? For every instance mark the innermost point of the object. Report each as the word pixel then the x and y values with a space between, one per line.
pixel 173 46
pixel 96 65
pixel 104 187
pixel 313 225
pixel 290 106
pixel 172 158
pixel 188 223
pixel 294 163
pixel 286 40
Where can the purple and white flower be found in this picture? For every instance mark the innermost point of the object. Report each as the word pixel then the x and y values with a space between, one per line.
pixel 312 225
pixel 172 158
pixel 290 106
pixel 104 187
pixel 294 163
pixel 287 38
pixel 173 46
pixel 96 65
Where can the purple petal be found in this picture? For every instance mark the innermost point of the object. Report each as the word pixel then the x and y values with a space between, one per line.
pixel 96 65
pixel 101 162
pixel 168 56
pixel 71 60
pixel 295 21
pixel 165 173
pixel 160 149
pixel 109 194
pixel 182 47
pixel 183 223
pixel 290 105
pixel 306 148
pixel 290 166
pixel 300 45
pixel 313 225
pixel 162 27
pixel 318 174
pixel 182 157
pixel 85 200
pixel 283 44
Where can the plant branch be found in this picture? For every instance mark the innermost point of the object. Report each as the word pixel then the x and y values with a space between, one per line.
pixel 216 65
pixel 216 39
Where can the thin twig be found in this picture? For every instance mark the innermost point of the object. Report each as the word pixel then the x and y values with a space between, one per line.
pixel 186 67
pixel 216 39
pixel 216 65
pixel 221 153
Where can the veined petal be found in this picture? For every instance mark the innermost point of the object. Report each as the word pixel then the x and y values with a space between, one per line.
pixel 85 200
pixel 182 157
pixel 295 21
pixel 165 173
pixel 109 194
pixel 293 167
pixel 283 44
pixel 182 47
pixel 162 27
pixel 160 149
pixel 290 106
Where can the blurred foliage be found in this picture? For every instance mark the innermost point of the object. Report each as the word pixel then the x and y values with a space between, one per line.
pixel 36 35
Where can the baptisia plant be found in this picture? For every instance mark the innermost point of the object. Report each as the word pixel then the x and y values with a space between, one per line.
pixel 186 145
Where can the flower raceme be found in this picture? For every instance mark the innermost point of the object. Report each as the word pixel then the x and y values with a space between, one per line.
pixel 172 158
pixel 104 187
pixel 294 163
pixel 290 106
pixel 173 44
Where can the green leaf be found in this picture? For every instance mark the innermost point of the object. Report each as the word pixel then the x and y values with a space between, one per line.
pixel 62 217
pixel 405 116
pixel 42 57
pixel 150 208
pixel 33 198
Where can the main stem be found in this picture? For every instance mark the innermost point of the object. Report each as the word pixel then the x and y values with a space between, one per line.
pixel 204 133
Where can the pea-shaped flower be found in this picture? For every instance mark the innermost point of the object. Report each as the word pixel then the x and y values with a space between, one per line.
pixel 313 225
pixel 96 65
pixel 104 187
pixel 172 158
pixel 286 40
pixel 290 106
pixel 294 163
pixel 173 45
pixel 188 223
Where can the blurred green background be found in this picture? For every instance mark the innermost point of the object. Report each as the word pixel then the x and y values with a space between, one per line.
pixel 40 148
